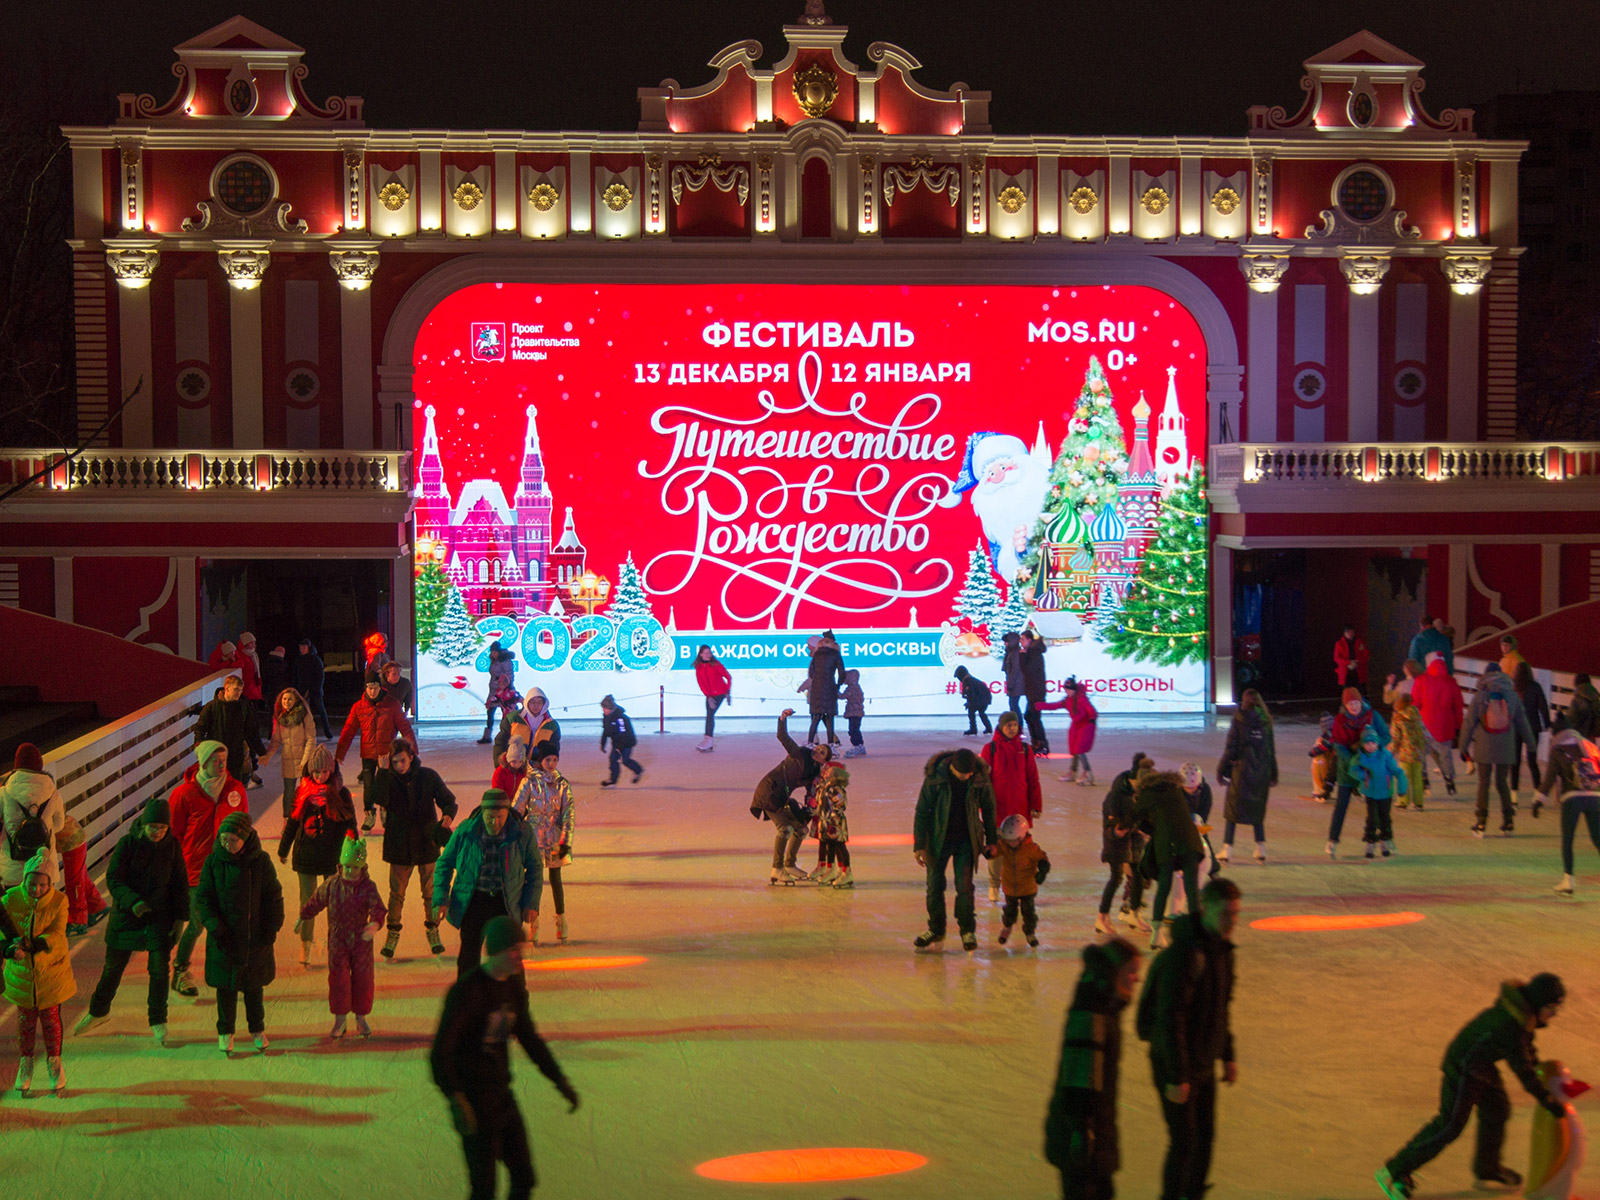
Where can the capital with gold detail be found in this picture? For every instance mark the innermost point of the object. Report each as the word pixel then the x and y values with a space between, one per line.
pixel 1467 268
pixel 244 262
pixel 355 264
pixel 1364 268
pixel 1264 271
pixel 133 260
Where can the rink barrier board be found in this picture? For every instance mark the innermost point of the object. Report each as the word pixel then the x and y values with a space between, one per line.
pixel 106 776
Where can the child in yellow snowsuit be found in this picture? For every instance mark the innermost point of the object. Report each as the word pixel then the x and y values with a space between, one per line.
pixel 1409 744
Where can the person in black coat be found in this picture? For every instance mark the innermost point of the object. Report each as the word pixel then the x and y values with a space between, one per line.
pixel 824 680
pixel 149 899
pixel 274 676
pixel 1249 770
pixel 1161 807
pixel 417 812
pixel 617 728
pixel 306 673
pixel 471 1064
pixel 240 903
pixel 1184 1015
pixel 1120 847
pixel 1503 1031
pixel 231 720
pixel 975 695
pixel 324 813
pixel 799 767
pixel 1537 705
pixel 1080 1129
pixel 1033 690
pixel 398 688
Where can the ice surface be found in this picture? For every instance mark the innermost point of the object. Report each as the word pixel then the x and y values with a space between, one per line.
pixel 767 1018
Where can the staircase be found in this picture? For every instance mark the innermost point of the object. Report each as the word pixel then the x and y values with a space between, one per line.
pixel 24 717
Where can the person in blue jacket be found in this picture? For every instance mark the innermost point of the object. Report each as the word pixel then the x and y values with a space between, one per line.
pixel 490 867
pixel 1381 778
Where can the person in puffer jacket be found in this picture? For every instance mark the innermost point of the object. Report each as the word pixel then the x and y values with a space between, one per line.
pixel 38 972
pixel 1381 779
pixel 355 914
pixel 199 805
pixel 324 816
pixel 379 721
pixel 1494 723
pixel 1014 774
pixel 1440 705
pixel 240 902
pixel 30 791
pixel 1354 717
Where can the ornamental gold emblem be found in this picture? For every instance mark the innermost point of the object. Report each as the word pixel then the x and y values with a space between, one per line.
pixel 543 197
pixel 467 196
pixel 1225 201
pixel 1083 201
pixel 1012 200
pixel 1155 201
pixel 393 196
pixel 815 89
pixel 617 197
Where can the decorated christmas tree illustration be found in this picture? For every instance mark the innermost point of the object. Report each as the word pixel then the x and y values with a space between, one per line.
pixel 978 602
pixel 455 641
pixel 629 598
pixel 1162 617
pixel 432 592
pixel 1013 617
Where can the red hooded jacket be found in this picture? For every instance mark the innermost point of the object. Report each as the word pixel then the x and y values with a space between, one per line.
pixel 713 678
pixel 377 723
pixel 248 674
pixel 195 817
pixel 1438 699
pixel 1015 776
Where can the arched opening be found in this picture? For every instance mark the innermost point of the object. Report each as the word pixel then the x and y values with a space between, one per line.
pixel 816 199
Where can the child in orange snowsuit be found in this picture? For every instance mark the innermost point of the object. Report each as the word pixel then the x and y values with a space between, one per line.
pixel 1023 866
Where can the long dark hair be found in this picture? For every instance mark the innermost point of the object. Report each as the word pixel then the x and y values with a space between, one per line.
pixel 1251 699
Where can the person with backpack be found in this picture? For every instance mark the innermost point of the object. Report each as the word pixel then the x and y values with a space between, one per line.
pixel 1573 786
pixel 32 813
pixel 1583 710
pixel 1494 723
pixel 1184 1015
pixel 716 685
pixel 976 697
pixel 617 728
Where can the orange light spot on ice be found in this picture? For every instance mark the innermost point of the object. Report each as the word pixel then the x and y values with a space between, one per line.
pixel 810 1165
pixel 1314 924
pixel 583 964
pixel 880 839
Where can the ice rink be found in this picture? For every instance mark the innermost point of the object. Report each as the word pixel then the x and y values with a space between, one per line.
pixel 765 1018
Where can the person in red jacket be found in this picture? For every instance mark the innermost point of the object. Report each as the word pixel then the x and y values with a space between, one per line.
pixel 206 795
pixel 227 656
pixel 1350 659
pixel 378 720
pixel 1439 701
pixel 716 685
pixel 1014 773
pixel 1080 734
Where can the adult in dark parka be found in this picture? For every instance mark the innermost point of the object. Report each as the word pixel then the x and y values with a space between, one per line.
pixel 1249 770
pixel 1033 689
pixel 824 680
pixel 240 902
pixel 417 811
pixel 149 897
pixel 306 672
pixel 1161 807
pixel 954 826
pixel 1120 847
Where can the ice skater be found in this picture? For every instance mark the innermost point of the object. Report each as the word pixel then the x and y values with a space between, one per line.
pixel 418 810
pixel 1080 1128
pixel 532 725
pixel 1489 740
pixel 240 902
pixel 511 768
pixel 855 710
pixel 483 1011
pixel 975 698
pixel 823 683
pixel 38 972
pixel 1084 718
pixel 1354 717
pixel 379 721
pixel 617 728
pixel 206 797
pixel 1249 770
pixel 1380 779
pixel 315 834
pixel 1198 792
pixel 490 867
pixel 771 800
pixel 1408 742
pixel 1120 848
pixel 86 907
pixel 1161 809
pixel 953 826
pixel 833 826
pixel 294 737
pixel 355 914
pixel 149 899
pixel 716 685
pixel 1573 786
pixel 1503 1031
pixel 1014 775
pixel 545 799
pixel 1023 866
pixel 502 673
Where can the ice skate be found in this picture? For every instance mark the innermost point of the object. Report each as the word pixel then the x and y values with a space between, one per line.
pixel 486 740
pixel 159 1033
pixel 1396 1187
pixel 533 929
pixel 1388 848
pixel 1333 850
pixel 969 941
pixel 1005 934
pixel 923 940
pixel 1033 940
pixel 1371 848
pixel 182 984
pixel 1102 924
pixel 225 1042
pixel 363 1026
pixel 1402 803
pixel 1477 830
pixel 1261 852
pixel 1449 787
pixel 434 944
pixel 844 879
pixel 87 1022
pixel 638 775
pixel 994 893
pixel 1501 1177
pixel 778 877
pixel 24 1079
pixel 368 821
pixel 1564 888
pixel 1139 924
pixel 797 875
pixel 608 783
pixel 337 1031
pixel 856 752
pixel 704 745
pixel 58 1077
pixel 1538 803
pixel 1508 829
pixel 392 942
pixel 262 1041
pixel 1088 779
pixel 1070 777
pixel 1227 849
pixel 561 927
pixel 826 873
pixel 305 954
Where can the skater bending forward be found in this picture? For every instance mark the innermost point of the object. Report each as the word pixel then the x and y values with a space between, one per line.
pixel 771 800
pixel 954 824
pixel 1472 1080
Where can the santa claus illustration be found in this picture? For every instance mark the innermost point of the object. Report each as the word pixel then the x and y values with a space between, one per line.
pixel 1008 483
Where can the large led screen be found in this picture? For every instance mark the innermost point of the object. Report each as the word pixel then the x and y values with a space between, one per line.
pixel 609 477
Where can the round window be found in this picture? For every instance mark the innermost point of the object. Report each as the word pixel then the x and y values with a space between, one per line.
pixel 244 187
pixel 1363 196
pixel 241 97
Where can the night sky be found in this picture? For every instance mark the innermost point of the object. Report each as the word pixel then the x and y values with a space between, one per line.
pixel 1153 68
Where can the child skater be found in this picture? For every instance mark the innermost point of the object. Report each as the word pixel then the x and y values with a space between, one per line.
pixel 1380 777
pixel 545 799
pixel 511 767
pixel 1409 743
pixel 355 914
pixel 1023 866
pixel 833 826
pixel 855 708
pixel 975 695
pixel 38 973
pixel 1324 762
pixel 1120 848
pixel 1080 735
pixel 1080 1129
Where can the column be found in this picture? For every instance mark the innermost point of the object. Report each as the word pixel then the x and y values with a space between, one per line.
pixel 505 191
pixel 1467 269
pixel 245 265
pixel 133 261
pixel 1263 273
pixel 430 196
pixel 356 265
pixel 580 193
pixel 63 580
pixel 1222 624
pixel 188 609
pixel 1118 202
pixel 1364 268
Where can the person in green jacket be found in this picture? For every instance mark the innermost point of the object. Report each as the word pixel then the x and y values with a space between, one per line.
pixel 954 822
pixel 490 867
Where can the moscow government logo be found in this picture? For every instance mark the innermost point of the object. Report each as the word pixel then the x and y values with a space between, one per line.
pixel 489 341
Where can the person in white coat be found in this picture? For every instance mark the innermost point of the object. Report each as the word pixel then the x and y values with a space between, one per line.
pixel 29 791
pixel 294 735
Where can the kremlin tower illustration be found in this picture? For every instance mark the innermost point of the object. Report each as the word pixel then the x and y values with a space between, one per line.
pixel 498 554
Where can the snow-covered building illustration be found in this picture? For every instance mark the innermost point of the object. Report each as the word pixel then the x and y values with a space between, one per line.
pixel 497 552
pixel 1108 534
pixel 1064 580
pixel 1139 493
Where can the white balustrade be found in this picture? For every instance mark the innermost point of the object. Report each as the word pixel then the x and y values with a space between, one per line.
pixel 103 470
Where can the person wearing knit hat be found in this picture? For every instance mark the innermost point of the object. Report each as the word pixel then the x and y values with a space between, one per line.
pixel 324 815
pixel 149 899
pixel 355 914
pixel 231 719
pixel 1080 1129
pixel 28 758
pixel 198 804
pixel 38 974
pixel 472 1067
pixel 490 867
pixel 240 902
pixel 33 814
pixel 1501 1032
pixel 1355 716
pixel 378 720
